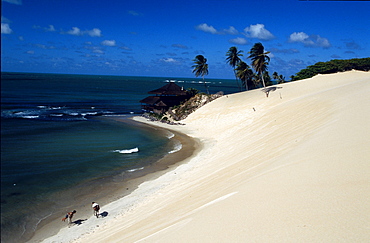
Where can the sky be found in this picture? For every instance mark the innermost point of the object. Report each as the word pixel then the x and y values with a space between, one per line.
pixel 161 38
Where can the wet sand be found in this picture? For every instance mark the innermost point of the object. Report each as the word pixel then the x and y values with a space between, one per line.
pixel 108 190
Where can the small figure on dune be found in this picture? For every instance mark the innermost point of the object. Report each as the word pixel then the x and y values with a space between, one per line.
pixel 69 216
pixel 96 209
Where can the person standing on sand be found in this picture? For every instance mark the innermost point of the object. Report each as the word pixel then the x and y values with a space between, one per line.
pixel 96 209
pixel 69 216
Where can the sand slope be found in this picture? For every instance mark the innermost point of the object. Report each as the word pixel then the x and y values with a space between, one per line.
pixel 294 167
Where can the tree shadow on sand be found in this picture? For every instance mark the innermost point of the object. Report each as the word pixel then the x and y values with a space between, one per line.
pixel 270 89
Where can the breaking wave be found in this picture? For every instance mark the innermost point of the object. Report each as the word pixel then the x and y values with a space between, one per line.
pixel 136 169
pixel 177 147
pixel 53 113
pixel 127 151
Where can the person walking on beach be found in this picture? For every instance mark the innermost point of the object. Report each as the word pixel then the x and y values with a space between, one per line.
pixel 69 216
pixel 96 209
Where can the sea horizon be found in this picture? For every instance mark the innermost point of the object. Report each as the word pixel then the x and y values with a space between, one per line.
pixel 122 75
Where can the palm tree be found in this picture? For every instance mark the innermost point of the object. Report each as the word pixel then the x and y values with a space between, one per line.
pixel 233 59
pixel 245 74
pixel 260 59
pixel 281 79
pixel 266 77
pixel 201 68
pixel 275 76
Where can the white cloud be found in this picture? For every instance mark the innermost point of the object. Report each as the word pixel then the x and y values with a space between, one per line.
pixel 30 52
pixel 74 31
pixel 258 31
pixel 94 32
pixel 312 41
pixel 231 31
pixel 5 29
pixel 126 48
pixel 77 31
pixel 5 20
pixel 18 2
pixel 322 42
pixel 206 28
pixel 108 43
pixel 98 51
pixel 298 37
pixel 179 46
pixel 50 28
pixel 238 41
pixel 168 60
pixel 210 29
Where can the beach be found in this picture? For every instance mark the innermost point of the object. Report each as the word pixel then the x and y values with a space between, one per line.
pixel 293 167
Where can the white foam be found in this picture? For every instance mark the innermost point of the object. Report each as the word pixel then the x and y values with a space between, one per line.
pixel 127 151
pixel 177 147
pixel 170 135
pixel 91 113
pixel 136 169
pixel 113 115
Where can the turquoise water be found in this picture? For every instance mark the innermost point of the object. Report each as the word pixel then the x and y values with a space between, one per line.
pixel 57 138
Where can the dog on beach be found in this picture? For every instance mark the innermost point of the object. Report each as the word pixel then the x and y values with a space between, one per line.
pixel 69 216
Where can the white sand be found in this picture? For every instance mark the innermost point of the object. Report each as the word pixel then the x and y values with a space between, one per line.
pixel 294 167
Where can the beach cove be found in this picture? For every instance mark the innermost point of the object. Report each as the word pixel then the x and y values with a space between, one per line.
pixel 287 168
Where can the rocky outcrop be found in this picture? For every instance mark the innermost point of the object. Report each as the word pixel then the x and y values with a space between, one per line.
pixel 182 111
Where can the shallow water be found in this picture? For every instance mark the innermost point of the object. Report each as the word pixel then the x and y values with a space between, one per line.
pixel 57 144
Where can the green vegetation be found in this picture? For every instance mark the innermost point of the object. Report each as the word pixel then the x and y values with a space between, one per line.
pixel 201 68
pixel 279 78
pixel 246 75
pixel 333 66
pixel 260 60
pixel 233 58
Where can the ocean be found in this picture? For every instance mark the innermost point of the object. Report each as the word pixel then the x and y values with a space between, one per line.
pixel 60 140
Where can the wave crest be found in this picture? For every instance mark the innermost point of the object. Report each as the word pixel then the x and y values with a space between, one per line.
pixel 127 151
pixel 177 147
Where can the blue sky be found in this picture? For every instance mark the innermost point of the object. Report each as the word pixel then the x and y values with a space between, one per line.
pixel 162 37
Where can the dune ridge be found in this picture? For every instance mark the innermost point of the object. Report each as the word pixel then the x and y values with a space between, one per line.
pixel 293 167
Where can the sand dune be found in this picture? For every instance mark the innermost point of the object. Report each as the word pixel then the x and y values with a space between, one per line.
pixel 293 167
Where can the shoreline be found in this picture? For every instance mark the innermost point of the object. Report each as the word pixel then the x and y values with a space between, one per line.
pixel 285 168
pixel 52 226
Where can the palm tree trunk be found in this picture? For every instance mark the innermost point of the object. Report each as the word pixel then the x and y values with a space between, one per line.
pixel 236 78
pixel 263 81
pixel 205 85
